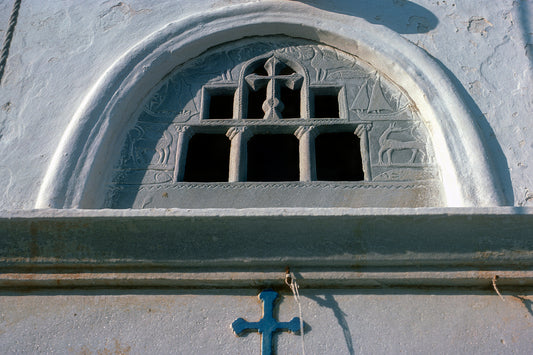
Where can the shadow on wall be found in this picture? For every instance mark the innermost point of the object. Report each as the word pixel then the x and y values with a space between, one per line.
pixel 526 302
pixel 328 301
pixel 401 16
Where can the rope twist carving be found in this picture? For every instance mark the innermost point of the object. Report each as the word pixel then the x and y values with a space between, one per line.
pixel 9 36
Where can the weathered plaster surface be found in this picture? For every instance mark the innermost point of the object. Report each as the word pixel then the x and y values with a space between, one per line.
pixel 475 41
pixel 61 48
pixel 337 322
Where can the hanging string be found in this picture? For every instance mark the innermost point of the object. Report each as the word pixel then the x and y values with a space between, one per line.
pixel 496 277
pixel 290 280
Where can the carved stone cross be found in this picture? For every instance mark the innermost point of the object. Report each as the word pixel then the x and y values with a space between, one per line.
pixel 267 325
pixel 273 106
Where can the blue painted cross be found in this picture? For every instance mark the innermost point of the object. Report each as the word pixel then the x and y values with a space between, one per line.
pixel 267 325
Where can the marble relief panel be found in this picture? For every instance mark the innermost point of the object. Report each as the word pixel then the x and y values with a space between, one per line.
pixel 398 145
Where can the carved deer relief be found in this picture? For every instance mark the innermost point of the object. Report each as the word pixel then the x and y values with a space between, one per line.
pixel 388 145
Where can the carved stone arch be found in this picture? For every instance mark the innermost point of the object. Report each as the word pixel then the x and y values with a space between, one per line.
pixel 81 169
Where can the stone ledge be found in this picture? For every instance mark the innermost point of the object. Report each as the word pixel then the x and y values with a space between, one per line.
pixel 50 213
pixel 251 247
pixel 255 279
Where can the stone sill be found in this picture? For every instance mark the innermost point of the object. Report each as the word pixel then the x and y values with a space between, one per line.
pixel 277 211
pixel 333 247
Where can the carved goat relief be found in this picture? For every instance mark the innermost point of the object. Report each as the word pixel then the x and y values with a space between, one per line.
pixel 388 144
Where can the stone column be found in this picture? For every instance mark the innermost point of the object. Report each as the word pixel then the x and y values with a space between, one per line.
pixel 306 135
pixel 238 153
pixel 184 134
pixel 362 132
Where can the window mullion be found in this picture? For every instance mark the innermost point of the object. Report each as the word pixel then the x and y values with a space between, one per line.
pixel 237 162
pixel 307 162
pixel 184 134
pixel 362 132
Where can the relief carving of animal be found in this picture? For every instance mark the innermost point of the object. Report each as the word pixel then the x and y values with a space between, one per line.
pixel 163 148
pixel 388 145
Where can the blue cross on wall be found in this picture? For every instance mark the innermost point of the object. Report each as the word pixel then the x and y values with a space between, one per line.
pixel 267 325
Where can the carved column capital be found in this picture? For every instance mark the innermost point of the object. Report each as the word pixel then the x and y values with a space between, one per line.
pixel 186 131
pixel 244 132
pixel 311 130
pixel 363 127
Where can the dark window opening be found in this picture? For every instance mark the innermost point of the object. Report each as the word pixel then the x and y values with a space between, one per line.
pixel 260 70
pixel 221 106
pixel 273 157
pixel 255 103
pixel 338 157
pixel 326 106
pixel 291 103
pixel 207 158
pixel 286 71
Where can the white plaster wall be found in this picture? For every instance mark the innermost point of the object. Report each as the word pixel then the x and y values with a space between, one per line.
pixel 60 48
pixel 337 322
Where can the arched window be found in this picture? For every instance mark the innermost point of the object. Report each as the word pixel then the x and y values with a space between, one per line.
pixel 276 122
pixel 282 148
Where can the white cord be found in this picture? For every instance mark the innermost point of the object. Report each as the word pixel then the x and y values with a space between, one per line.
pixel 290 280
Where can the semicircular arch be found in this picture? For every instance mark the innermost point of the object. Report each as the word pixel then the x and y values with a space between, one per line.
pixel 82 164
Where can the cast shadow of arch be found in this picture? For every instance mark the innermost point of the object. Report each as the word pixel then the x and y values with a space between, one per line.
pixel 401 16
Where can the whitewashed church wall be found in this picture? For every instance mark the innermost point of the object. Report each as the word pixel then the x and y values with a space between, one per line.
pixel 60 49
pixel 338 322
pixel 172 281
